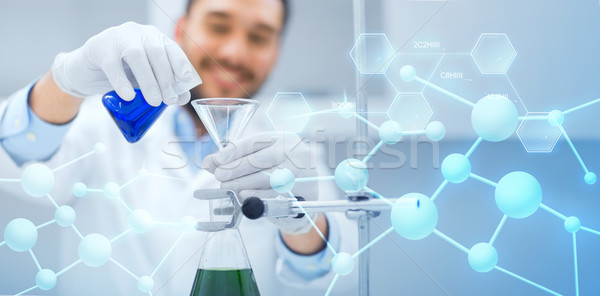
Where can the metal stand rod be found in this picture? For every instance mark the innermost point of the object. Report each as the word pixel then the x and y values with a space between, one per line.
pixel 255 208
pixel 364 237
pixel 362 133
pixel 298 207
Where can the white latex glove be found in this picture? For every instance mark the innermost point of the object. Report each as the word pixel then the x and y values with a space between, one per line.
pixel 245 166
pixel 160 67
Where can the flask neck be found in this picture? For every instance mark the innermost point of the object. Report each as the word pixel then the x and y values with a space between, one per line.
pixel 224 250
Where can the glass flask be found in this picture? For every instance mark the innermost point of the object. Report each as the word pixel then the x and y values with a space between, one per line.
pixel 224 268
pixel 134 117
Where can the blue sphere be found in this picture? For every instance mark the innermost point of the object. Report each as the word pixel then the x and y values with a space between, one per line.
pixel 518 195
pixel 282 180
pixel 342 263
pixel 435 131
pixel 37 180
pixel 45 279
pixel 139 221
pixel 556 117
pixel 390 132
pixel 590 178
pixel 351 175
pixel 572 224
pixel 494 118
pixel 483 257
pixel 145 284
pixel 79 189
pixel 20 235
pixel 456 168
pixel 94 250
pixel 112 190
pixel 412 220
pixel 65 216
pixel 408 73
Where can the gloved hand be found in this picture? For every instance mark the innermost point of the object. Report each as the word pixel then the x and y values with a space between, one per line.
pixel 245 167
pixel 105 61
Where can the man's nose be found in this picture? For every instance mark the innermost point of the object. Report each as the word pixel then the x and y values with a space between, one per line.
pixel 234 50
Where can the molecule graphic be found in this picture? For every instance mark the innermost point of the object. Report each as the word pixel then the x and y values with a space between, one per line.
pixel 494 118
pixel 95 249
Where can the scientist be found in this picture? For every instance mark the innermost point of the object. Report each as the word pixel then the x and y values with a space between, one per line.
pixel 232 45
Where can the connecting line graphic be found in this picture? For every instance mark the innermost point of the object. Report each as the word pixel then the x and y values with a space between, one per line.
pixel 351 175
pixel 572 224
pixel 439 190
pixel 329 246
pixel 10 180
pixel 359 117
pixel 95 250
pixel 313 179
pixel 472 149
pixel 460 165
pixel 590 177
pixel 581 106
pixel 379 196
pixel 37 180
pixel 374 241
pixel 441 90
pixel 556 117
pixel 342 263
pixel 372 152
pixel 500 225
pixel 517 194
pixel 483 180
pixel 467 251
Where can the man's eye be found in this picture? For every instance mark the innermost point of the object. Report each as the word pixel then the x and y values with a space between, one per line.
pixel 258 39
pixel 221 29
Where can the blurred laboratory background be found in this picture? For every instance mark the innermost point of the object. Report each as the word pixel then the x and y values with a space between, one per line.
pixel 557 66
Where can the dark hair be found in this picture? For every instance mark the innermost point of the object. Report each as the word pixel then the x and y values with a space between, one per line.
pixel 286 10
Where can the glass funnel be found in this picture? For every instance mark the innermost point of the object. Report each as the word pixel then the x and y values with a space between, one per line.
pixel 225 118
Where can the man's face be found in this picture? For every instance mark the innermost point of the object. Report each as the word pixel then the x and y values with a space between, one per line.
pixel 233 44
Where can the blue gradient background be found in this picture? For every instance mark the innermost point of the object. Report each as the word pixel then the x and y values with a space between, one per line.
pixel 557 67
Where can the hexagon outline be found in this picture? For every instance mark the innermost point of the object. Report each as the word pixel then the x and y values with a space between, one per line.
pixel 523 143
pixel 509 43
pixel 410 93
pixel 387 64
pixel 279 93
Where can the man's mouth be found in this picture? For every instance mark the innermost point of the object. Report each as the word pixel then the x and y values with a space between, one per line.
pixel 226 79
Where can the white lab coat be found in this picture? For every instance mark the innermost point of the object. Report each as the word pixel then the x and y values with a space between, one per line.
pixel 165 199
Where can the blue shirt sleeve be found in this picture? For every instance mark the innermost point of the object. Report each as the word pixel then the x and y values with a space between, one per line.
pixel 23 135
pixel 310 267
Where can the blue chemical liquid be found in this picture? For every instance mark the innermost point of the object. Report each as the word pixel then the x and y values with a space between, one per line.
pixel 133 118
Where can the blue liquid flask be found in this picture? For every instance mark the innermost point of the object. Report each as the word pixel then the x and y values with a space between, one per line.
pixel 133 118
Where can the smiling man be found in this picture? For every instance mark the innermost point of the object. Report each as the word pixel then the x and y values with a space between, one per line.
pixel 232 45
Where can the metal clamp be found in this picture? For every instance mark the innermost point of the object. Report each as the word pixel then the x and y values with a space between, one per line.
pixel 235 211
